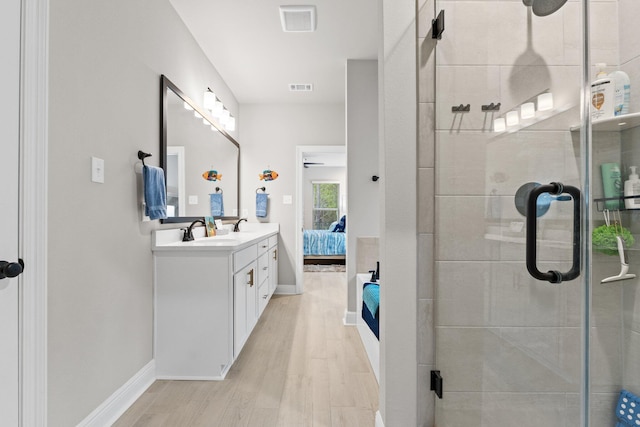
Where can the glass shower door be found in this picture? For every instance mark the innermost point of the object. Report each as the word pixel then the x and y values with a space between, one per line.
pixel 509 347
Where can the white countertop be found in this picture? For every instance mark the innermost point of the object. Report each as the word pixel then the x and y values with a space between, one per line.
pixel 250 233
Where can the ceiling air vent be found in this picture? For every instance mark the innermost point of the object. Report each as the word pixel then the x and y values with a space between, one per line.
pixel 298 18
pixel 300 87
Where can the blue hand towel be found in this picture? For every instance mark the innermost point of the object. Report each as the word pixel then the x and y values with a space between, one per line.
pixel 217 205
pixel 155 193
pixel 262 199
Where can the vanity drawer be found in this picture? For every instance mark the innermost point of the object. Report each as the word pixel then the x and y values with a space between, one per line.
pixel 244 257
pixel 263 247
pixel 273 240
pixel 263 268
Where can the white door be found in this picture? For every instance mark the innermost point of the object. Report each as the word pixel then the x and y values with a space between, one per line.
pixel 9 202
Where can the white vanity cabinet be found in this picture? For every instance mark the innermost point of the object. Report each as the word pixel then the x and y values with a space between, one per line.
pixel 208 298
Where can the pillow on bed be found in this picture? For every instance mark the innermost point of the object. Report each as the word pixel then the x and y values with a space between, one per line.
pixel 333 226
pixel 342 225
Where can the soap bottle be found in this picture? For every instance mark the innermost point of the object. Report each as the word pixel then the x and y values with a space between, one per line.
pixel 632 188
pixel 602 95
pixel 622 92
pixel 612 185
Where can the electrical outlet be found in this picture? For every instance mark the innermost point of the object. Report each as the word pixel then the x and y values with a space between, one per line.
pixel 97 170
pixel 193 200
pixel 287 200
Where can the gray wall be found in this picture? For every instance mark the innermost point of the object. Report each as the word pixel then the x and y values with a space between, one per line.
pixel 105 64
pixel 398 216
pixel 268 137
pixel 363 219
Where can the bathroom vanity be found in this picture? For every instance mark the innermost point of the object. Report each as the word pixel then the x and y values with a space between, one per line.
pixel 209 295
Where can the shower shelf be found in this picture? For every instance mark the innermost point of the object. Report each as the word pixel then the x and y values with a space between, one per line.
pixel 600 202
pixel 614 124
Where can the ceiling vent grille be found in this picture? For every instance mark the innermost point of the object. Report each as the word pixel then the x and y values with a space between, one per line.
pixel 298 18
pixel 300 87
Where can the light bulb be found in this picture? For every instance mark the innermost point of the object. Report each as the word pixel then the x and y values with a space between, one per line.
pixel 527 110
pixel 231 124
pixel 499 125
pixel 224 117
pixel 197 115
pixel 545 101
pixel 213 128
pixel 512 118
pixel 218 108
pixel 205 122
pixel 209 99
pixel 187 106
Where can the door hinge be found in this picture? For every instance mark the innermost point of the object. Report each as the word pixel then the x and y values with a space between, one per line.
pixel 436 383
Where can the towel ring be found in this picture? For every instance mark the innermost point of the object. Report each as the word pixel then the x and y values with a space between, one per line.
pixel 219 190
pixel 142 155
pixel 264 189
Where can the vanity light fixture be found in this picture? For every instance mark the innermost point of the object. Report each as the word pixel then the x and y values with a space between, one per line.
pixel 499 125
pixel 527 110
pixel 512 118
pixel 209 99
pixel 545 101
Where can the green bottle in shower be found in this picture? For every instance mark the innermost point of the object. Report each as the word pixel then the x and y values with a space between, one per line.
pixel 612 185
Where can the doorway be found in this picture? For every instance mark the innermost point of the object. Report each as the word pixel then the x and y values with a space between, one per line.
pixel 317 164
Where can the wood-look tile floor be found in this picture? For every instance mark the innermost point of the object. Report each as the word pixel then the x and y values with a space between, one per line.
pixel 300 367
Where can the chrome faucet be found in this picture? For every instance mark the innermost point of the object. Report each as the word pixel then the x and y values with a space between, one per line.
pixel 188 232
pixel 236 226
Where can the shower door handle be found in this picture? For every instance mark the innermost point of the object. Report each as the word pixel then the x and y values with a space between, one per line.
pixel 552 276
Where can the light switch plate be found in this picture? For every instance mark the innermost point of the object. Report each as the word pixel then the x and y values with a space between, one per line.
pixel 97 170
pixel 287 200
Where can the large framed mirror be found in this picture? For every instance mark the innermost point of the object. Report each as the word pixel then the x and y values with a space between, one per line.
pixel 200 159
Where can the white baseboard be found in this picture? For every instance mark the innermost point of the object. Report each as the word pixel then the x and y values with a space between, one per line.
pixel 285 290
pixel 349 318
pixel 379 422
pixel 111 409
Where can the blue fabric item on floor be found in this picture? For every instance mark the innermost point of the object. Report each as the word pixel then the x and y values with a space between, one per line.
pixel 262 199
pixel 217 205
pixel 371 297
pixel 628 409
pixel 155 193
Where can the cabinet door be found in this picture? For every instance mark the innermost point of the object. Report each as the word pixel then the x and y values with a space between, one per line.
pixel 273 269
pixel 244 306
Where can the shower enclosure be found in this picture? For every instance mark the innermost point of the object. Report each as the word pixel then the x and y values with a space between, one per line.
pixel 512 99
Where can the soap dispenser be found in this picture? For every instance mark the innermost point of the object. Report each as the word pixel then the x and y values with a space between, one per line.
pixel 602 95
pixel 632 188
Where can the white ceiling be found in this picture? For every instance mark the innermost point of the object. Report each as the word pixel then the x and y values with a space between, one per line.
pixel 245 42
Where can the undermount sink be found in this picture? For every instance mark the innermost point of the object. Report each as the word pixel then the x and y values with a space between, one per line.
pixel 214 241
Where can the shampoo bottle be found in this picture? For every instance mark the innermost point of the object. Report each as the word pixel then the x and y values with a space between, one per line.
pixel 632 188
pixel 611 185
pixel 602 95
pixel 622 92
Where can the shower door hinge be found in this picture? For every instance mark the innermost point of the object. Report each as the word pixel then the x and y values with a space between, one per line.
pixel 436 383
pixel 437 26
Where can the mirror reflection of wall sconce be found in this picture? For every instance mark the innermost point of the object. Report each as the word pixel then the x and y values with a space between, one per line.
pixel 461 108
pixel 525 111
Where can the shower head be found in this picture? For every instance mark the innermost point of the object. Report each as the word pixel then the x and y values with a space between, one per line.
pixel 544 7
